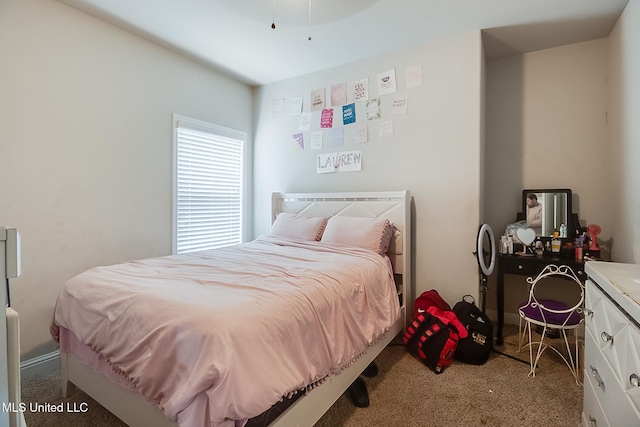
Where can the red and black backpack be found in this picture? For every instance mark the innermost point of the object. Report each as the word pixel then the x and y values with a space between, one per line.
pixel 433 335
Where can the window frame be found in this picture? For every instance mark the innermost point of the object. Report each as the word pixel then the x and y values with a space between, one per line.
pixel 224 132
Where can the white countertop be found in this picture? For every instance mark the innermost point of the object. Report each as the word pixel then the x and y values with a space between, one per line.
pixel 620 281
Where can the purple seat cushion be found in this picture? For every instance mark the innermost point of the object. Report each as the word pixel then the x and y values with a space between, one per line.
pixel 550 318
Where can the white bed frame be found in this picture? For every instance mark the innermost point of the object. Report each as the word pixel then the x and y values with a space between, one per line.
pixel 133 408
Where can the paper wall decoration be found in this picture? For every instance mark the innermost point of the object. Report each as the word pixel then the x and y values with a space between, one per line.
pixel 373 109
pixel 361 90
pixel 337 137
pixel 316 140
pixel 305 121
pixel 345 161
pixel 386 128
pixel 387 82
pixel 296 106
pixel 298 140
pixel 317 100
pixel 277 108
pixel 399 104
pixel 361 133
pixel 414 76
pixel 348 114
pixel 326 120
pixel 338 94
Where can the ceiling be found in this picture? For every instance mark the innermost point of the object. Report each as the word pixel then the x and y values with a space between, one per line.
pixel 235 36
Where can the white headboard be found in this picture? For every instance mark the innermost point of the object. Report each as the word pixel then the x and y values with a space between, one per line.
pixel 393 205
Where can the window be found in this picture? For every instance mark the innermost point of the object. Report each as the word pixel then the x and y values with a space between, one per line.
pixel 208 185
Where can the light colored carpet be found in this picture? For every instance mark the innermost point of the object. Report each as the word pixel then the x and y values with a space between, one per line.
pixel 405 393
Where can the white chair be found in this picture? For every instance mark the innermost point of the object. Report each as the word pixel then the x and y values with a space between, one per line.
pixel 552 316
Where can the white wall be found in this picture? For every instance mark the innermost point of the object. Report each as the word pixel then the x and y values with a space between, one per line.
pixel 434 153
pixel 86 146
pixel 624 113
pixel 547 128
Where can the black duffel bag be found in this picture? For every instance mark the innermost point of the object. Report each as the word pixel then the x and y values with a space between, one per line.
pixel 476 348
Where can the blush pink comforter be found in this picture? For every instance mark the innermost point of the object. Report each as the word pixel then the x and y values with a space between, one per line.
pixel 217 336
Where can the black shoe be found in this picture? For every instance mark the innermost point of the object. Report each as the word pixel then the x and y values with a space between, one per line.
pixel 358 393
pixel 371 370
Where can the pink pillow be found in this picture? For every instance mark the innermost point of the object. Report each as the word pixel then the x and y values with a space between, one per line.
pixel 368 233
pixel 298 226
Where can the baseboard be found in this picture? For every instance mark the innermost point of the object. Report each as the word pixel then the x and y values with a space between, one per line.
pixel 40 365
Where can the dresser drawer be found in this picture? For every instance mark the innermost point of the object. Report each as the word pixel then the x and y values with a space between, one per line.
pixel 606 388
pixel 630 367
pixel 515 266
pixel 592 413
pixel 529 266
pixel 612 343
pixel 610 328
pixel 620 343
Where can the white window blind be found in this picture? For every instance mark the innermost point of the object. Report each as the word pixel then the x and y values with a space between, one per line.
pixel 208 186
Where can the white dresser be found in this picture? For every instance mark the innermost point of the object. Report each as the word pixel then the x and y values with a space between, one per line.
pixel 612 345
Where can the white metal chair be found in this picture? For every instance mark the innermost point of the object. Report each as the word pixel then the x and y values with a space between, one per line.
pixel 552 316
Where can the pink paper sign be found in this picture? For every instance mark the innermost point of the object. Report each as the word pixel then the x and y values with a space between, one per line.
pixel 326 120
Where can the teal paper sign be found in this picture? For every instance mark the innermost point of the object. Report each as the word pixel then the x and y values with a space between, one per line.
pixel 349 114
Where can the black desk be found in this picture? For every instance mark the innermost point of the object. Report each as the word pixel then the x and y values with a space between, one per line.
pixel 528 266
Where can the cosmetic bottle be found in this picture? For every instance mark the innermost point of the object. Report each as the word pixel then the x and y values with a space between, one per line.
pixel 563 231
pixel 503 244
pixel 539 247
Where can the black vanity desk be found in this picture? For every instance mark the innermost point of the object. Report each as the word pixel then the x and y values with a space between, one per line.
pixel 528 266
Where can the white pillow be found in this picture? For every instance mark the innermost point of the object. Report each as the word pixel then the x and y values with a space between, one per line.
pixel 298 226
pixel 368 233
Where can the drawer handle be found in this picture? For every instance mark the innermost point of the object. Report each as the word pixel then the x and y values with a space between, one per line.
pixel 606 337
pixel 596 377
pixel 634 380
pixel 520 267
pixel 588 312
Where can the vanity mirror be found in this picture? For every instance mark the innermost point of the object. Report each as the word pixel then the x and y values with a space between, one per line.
pixel 546 210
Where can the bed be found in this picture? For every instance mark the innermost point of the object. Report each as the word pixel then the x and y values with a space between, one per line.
pixel 211 374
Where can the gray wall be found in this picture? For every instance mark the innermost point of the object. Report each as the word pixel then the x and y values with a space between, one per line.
pixel 434 153
pixel 567 117
pixel 86 146
pixel 546 127
pixel 624 114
